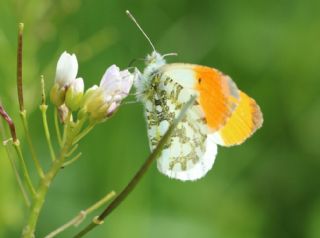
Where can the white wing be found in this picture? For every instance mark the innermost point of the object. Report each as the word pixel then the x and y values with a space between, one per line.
pixel 190 152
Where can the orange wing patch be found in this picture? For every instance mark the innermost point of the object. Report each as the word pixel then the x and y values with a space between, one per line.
pixel 245 120
pixel 218 96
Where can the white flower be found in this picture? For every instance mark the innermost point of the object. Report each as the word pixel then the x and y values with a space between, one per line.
pixel 116 84
pixel 67 69
pixel 101 102
pixel 66 73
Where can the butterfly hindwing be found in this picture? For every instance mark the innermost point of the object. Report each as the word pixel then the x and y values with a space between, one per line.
pixel 188 154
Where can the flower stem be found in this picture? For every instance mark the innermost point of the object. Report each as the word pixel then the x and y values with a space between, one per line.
pixel 10 123
pixel 16 145
pixel 18 178
pixel 74 148
pixel 14 168
pixel 72 160
pixel 84 133
pixel 45 182
pixel 56 125
pixel 81 216
pixel 72 129
pixel 43 109
pixel 23 115
pixel 19 66
pixel 134 181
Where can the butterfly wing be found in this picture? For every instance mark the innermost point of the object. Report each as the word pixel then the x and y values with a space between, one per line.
pixel 222 114
pixel 232 116
pixel 244 121
pixel 189 153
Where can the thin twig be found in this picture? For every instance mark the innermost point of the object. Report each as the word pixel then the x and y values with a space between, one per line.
pixel 19 67
pixel 23 112
pixel 14 168
pixel 82 215
pixel 72 160
pixel 10 123
pixel 23 115
pixel 56 125
pixel 29 229
pixel 43 108
pixel 134 181
pixel 16 145
pixel 74 148
pixel 84 133
pixel 26 174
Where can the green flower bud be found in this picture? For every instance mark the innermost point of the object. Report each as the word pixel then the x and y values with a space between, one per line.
pixel 57 95
pixel 74 94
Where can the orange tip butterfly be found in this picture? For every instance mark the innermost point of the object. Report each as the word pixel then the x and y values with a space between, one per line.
pixel 221 114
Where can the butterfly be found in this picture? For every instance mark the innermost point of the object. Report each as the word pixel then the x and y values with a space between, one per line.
pixel 221 114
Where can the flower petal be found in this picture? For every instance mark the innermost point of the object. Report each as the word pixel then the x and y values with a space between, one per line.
pixel 111 73
pixel 67 69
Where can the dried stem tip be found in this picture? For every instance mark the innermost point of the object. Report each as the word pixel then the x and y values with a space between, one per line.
pixel 43 91
pixel 8 119
pixel 19 66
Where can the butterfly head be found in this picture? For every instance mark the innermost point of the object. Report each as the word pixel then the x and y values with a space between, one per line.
pixel 153 62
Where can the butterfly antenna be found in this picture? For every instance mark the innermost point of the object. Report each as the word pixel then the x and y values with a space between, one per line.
pixel 137 24
pixel 170 54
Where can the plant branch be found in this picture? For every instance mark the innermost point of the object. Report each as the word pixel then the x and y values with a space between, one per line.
pixel 72 129
pixel 74 148
pixel 23 112
pixel 45 182
pixel 134 181
pixel 10 123
pixel 43 108
pixel 19 67
pixel 56 125
pixel 82 215
pixel 14 168
pixel 72 160
pixel 84 133
pixel 16 145
pixel 23 115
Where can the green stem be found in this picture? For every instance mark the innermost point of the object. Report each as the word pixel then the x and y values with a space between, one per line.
pixel 28 231
pixel 74 148
pixel 16 145
pixel 43 109
pixel 72 160
pixel 56 125
pixel 23 115
pixel 84 133
pixel 14 168
pixel 134 181
pixel 72 129
pixel 81 216
pixel 18 178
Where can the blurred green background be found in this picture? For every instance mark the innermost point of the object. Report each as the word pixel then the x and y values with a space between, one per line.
pixel 268 187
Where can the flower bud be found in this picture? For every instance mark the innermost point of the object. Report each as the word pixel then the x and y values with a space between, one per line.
pixel 101 102
pixel 66 72
pixel 74 94
pixel 57 95
pixel 67 69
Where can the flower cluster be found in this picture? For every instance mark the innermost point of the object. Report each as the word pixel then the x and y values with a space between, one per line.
pixel 99 102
